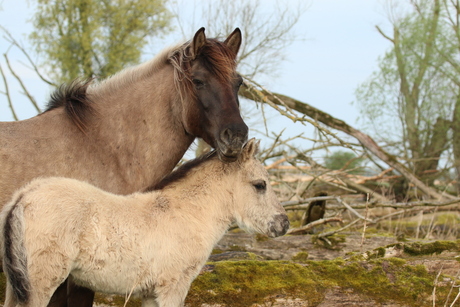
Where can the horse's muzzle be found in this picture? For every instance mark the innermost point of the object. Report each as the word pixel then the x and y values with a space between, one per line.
pixel 279 226
pixel 230 142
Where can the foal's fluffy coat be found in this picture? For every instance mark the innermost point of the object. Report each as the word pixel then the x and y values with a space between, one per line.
pixel 151 244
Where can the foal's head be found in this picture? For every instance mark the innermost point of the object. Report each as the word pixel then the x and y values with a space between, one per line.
pixel 208 82
pixel 257 206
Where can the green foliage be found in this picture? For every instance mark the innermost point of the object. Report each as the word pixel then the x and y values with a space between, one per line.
pixel 409 100
pixel 83 38
pixel 343 160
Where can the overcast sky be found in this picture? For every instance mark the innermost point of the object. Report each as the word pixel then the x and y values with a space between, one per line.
pixel 339 50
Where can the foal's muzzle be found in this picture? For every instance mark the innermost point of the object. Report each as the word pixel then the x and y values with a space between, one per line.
pixel 279 226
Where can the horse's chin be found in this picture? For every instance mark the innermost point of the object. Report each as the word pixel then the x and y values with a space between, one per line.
pixel 226 158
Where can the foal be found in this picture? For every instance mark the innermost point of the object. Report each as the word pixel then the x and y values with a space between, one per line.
pixel 150 244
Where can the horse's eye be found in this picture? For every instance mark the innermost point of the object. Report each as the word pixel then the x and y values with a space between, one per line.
pixel 198 83
pixel 260 185
pixel 240 82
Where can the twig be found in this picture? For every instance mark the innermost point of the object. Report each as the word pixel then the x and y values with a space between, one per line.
pixel 363 236
pixel 7 93
pixel 330 233
pixel 314 224
pixel 26 92
pixel 451 288
pixel 456 298
pixel 435 285
pixel 11 39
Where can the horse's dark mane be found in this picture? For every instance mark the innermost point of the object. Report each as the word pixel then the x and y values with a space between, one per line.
pixel 73 98
pixel 181 171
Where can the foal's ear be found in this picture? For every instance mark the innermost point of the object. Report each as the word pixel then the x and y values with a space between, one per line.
pixel 251 148
pixel 197 43
pixel 233 41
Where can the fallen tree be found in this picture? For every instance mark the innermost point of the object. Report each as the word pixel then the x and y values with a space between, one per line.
pixel 285 105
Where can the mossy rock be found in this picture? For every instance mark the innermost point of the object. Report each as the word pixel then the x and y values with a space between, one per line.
pixel 245 283
pixel 430 248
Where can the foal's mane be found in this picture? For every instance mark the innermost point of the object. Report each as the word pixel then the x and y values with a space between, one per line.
pixel 74 98
pixel 182 171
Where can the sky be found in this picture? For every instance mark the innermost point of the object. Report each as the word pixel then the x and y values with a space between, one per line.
pixel 338 51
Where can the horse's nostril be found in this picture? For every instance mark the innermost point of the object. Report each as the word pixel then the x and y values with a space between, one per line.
pixel 226 136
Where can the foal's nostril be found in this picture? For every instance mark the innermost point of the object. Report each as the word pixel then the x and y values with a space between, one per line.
pixel 281 225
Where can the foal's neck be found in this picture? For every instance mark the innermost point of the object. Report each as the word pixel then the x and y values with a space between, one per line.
pixel 206 194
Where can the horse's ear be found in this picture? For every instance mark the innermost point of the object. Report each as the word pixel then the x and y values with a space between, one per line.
pixel 251 148
pixel 233 41
pixel 197 43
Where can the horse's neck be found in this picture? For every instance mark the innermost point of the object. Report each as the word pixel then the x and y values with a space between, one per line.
pixel 141 125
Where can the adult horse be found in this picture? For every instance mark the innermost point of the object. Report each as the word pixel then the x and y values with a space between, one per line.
pixel 130 130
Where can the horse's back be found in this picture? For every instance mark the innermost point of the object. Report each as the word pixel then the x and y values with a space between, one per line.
pixel 50 145
pixel 29 149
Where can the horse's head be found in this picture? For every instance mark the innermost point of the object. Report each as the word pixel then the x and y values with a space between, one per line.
pixel 258 209
pixel 209 89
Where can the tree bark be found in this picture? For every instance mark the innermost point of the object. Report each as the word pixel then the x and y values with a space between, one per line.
pixel 250 92
pixel 456 138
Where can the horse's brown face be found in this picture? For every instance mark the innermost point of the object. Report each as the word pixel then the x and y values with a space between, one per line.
pixel 216 114
pixel 221 124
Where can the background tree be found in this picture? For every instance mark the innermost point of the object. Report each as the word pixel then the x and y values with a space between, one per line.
pixel 409 100
pixel 343 160
pixel 85 38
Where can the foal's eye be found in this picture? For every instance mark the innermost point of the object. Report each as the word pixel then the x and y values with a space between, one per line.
pixel 198 83
pixel 260 185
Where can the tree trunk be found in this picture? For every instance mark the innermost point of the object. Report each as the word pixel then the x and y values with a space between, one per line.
pixel 456 139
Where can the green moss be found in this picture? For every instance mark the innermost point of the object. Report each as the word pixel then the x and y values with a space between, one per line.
pixel 437 247
pixel 216 251
pixel 448 219
pixel 244 283
pixel 300 257
pixel 261 238
pixel 331 242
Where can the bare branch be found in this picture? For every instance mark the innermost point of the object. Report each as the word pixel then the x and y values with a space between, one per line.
pixel 7 93
pixel 313 224
pixel 26 92
pixel 14 42
pixel 263 96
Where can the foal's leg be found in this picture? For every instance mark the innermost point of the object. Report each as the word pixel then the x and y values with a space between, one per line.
pixel 173 294
pixel 59 298
pixel 47 273
pixel 78 296
pixel 149 302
